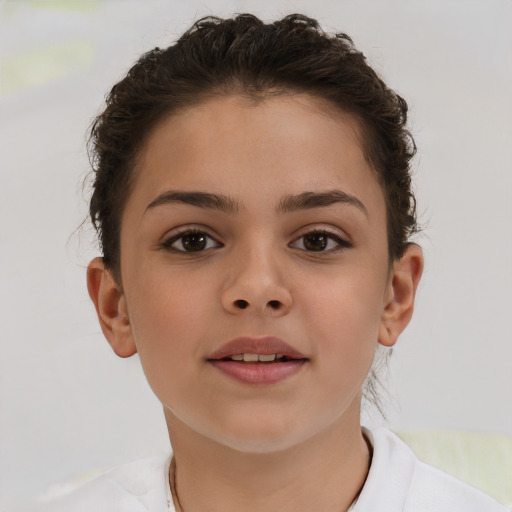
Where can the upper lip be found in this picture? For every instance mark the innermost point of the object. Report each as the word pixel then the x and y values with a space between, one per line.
pixel 266 346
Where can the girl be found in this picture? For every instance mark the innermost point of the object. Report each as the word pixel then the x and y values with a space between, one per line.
pixel 253 201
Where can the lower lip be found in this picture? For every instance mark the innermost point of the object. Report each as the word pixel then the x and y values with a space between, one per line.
pixel 259 373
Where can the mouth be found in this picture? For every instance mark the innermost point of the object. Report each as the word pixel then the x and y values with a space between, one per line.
pixel 258 360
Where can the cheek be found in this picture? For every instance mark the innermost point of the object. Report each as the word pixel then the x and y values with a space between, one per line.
pixel 345 315
pixel 167 301
pixel 168 317
pixel 350 302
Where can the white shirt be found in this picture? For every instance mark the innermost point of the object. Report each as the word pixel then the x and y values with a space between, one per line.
pixel 397 482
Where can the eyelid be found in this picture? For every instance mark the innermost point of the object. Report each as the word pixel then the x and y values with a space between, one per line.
pixel 339 236
pixel 175 234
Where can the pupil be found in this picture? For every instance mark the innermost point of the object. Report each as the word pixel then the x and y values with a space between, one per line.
pixel 194 242
pixel 315 242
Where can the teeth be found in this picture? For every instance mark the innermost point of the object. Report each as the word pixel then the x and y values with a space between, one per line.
pixel 253 358
pixel 266 357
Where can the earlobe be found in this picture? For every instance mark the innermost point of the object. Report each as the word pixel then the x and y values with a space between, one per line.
pixel 399 303
pixel 111 309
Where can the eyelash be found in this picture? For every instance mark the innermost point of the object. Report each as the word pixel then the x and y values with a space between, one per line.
pixel 340 242
pixel 169 243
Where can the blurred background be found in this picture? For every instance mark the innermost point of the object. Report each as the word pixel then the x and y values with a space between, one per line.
pixel 67 404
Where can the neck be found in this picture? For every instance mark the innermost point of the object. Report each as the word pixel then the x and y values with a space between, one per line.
pixel 212 477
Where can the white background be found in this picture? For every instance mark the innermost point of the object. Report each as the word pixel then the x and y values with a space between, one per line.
pixel 67 404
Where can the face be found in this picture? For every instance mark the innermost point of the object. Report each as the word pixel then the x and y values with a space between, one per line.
pixel 255 229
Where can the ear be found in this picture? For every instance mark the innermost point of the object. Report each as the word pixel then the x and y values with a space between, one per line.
pixel 400 294
pixel 111 309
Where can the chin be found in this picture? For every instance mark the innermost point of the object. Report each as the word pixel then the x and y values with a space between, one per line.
pixel 258 445
pixel 260 435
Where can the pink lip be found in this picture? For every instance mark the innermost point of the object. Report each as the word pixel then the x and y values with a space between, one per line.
pixel 267 345
pixel 258 373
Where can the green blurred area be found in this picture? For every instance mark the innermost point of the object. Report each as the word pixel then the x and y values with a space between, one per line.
pixel 69 5
pixel 42 64
pixel 480 459
pixel 11 6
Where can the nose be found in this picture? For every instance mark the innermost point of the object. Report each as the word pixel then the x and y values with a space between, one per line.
pixel 255 285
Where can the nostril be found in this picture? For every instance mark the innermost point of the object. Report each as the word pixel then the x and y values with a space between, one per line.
pixel 274 304
pixel 242 304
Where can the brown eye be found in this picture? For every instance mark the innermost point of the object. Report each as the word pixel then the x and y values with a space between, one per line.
pixel 315 241
pixel 191 241
pixel 320 241
pixel 194 242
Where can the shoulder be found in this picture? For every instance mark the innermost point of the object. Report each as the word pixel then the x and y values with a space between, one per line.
pixel 430 488
pixel 138 486
pixel 399 481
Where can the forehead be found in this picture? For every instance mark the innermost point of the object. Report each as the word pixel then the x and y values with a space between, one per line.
pixel 290 143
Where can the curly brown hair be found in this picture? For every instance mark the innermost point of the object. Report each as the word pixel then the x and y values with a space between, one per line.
pixel 245 56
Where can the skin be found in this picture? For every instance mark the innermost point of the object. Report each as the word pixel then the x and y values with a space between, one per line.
pixel 258 447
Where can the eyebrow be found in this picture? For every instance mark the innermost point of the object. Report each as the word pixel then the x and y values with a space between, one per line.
pixel 199 199
pixel 308 200
pixel 289 203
